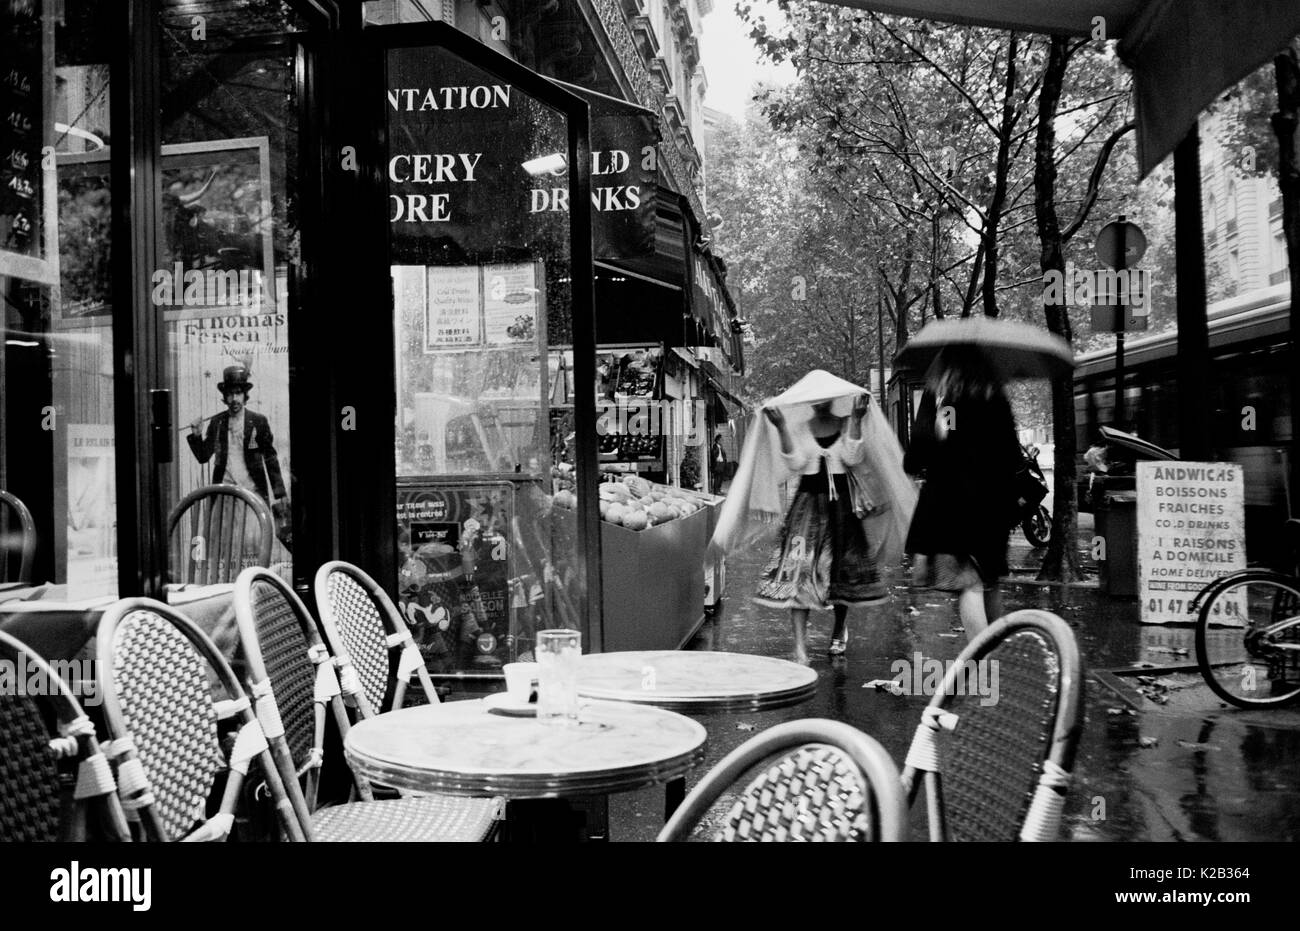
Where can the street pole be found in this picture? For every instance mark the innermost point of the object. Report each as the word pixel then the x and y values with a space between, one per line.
pixel 1121 319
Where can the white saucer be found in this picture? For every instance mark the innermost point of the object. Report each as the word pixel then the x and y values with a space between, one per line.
pixel 504 703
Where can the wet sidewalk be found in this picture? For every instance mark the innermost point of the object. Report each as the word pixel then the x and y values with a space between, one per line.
pixel 1161 758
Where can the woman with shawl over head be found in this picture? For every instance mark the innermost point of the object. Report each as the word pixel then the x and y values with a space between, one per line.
pixel 850 502
pixel 964 445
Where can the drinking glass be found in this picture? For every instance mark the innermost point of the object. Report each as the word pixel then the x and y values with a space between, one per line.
pixel 557 676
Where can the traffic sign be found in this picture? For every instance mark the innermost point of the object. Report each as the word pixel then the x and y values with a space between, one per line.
pixel 1108 244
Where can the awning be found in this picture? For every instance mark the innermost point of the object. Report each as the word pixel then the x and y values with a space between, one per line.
pixel 1184 53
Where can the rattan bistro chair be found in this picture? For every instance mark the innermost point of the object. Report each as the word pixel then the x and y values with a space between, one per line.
pixel 292 679
pixel 371 643
pixel 164 722
pixel 17 535
pixel 41 729
pixel 831 782
pixel 999 770
pixel 215 532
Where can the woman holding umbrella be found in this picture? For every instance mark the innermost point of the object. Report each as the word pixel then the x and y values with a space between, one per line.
pixel 965 447
pixel 850 506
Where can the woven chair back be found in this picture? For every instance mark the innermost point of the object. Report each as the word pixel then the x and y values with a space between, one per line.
pixel 30 806
pixel 359 615
pixel 41 723
pixel 1016 691
pixel 17 540
pixel 153 664
pixel 819 781
pixel 217 531
pixel 284 637
pixel 166 705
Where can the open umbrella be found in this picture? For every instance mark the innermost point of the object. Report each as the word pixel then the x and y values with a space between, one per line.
pixel 1017 349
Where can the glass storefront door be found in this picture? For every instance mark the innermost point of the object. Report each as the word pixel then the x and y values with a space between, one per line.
pixel 481 167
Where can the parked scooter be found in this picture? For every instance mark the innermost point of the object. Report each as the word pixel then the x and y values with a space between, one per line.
pixel 1036 522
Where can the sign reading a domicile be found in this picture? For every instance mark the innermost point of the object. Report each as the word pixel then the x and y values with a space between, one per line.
pixel 1191 531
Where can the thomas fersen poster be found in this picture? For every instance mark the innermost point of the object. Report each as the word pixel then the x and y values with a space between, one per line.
pixel 1191 531
pixel 205 342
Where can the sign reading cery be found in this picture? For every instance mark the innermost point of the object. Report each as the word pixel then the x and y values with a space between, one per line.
pixel 437 167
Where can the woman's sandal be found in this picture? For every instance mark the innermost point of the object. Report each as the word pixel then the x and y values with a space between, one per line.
pixel 838 646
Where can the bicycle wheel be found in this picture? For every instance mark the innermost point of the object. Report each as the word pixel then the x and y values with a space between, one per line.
pixel 1248 640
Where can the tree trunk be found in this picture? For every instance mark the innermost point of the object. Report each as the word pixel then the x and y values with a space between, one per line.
pixel 1287 71
pixel 1061 563
pixel 999 198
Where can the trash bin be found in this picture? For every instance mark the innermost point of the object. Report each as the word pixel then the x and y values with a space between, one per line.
pixel 1116 518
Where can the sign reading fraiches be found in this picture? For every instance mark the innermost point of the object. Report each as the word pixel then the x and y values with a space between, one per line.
pixel 1191 531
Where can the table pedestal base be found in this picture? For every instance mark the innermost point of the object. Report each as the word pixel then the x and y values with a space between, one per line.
pixel 556 820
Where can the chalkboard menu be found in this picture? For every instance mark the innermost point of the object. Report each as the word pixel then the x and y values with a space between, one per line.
pixel 23 90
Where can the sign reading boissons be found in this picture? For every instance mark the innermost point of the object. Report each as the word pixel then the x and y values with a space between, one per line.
pixel 1191 531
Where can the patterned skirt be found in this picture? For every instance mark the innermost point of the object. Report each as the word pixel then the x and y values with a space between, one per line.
pixel 823 557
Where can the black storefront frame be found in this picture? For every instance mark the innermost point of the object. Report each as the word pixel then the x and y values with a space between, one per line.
pixel 379 554
pixel 142 423
pixel 332 360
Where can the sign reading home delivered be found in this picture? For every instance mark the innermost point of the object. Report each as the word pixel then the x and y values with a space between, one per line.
pixel 1191 531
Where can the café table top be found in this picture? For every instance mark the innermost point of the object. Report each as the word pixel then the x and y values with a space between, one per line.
pixel 695 682
pixel 58 627
pixel 463 748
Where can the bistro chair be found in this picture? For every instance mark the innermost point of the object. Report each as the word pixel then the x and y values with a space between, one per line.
pixel 217 531
pixel 292 679
pixel 371 643
pixel 164 722
pixel 824 781
pixel 997 767
pixel 17 536
pixel 44 730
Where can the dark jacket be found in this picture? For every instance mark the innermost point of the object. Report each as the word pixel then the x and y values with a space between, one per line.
pixel 967 505
pixel 259 451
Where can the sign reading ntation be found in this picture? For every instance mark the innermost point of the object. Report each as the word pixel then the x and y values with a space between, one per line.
pixel 1191 531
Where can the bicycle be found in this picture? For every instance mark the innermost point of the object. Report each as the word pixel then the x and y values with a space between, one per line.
pixel 1248 635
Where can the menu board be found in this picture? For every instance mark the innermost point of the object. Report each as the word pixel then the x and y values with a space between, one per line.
pixel 25 84
pixel 1191 531
pixel 452 310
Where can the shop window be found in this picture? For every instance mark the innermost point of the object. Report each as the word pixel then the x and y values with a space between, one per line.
pixel 56 366
pixel 228 248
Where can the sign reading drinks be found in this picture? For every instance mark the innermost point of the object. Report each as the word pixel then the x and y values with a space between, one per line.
pixel 1191 531
pixel 477 169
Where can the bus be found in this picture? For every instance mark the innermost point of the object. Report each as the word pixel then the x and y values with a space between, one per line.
pixel 1249 410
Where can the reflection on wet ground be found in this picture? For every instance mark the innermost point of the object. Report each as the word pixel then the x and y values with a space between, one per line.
pixel 1178 766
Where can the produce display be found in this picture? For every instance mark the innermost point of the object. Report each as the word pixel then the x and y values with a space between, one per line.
pixel 633 502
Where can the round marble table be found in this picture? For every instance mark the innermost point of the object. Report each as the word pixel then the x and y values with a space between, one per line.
pixel 695 682
pixel 462 748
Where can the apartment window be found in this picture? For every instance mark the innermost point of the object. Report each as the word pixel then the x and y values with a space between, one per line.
pixel 1234 265
pixel 1232 199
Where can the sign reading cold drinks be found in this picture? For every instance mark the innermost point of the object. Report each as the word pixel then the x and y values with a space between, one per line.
pixel 1191 531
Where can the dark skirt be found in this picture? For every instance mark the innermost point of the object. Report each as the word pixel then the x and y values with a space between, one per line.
pixel 823 557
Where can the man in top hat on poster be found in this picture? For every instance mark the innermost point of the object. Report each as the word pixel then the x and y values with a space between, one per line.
pixel 244 447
